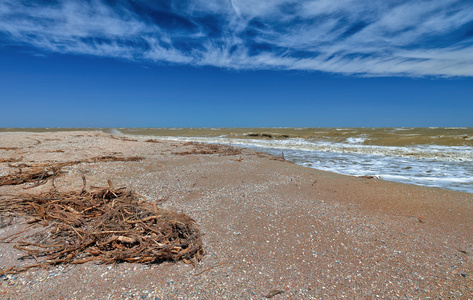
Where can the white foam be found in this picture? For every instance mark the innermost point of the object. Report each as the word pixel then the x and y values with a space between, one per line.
pixel 115 131
pixel 433 152
pixel 424 178
pixel 428 165
pixel 356 140
pixel 402 128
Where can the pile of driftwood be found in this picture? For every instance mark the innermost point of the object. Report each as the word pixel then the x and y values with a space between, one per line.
pixel 103 224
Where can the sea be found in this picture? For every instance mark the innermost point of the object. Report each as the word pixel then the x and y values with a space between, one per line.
pixel 434 157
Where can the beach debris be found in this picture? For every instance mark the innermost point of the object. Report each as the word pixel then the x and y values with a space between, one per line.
pixel 10 160
pixel 57 151
pixel 210 268
pixel 9 148
pixel 273 293
pixel 201 148
pixel 37 174
pixel 108 158
pixel 277 158
pixel 106 225
pixel 153 141
pixel 368 177
pixel 40 173
pixel 268 135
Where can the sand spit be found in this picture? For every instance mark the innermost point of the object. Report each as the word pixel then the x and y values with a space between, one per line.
pixel 270 229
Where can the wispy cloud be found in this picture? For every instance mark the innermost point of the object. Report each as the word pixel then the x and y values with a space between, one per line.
pixel 368 38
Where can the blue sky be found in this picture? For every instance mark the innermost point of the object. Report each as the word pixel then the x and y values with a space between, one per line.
pixel 221 63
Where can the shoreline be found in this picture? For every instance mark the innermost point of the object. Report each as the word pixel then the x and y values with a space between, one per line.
pixel 432 157
pixel 268 225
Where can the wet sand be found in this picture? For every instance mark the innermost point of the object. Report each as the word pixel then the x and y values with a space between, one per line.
pixel 270 228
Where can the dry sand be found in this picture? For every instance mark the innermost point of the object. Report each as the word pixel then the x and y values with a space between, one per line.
pixel 270 228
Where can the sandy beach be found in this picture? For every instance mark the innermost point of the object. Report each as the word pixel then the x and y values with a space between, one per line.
pixel 270 228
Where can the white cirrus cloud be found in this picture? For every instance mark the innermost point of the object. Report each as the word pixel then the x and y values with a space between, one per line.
pixel 353 37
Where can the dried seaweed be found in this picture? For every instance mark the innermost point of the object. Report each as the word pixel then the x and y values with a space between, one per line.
pixel 105 225
pixel 209 149
pixel 107 158
pixel 10 160
pixel 9 148
pixel 39 173
pixel 153 141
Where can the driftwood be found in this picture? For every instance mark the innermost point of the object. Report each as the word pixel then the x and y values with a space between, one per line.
pixel 106 225
pixel 273 293
pixel 40 173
